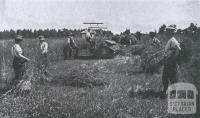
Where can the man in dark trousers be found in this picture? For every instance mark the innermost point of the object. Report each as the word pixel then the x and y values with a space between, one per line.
pixel 19 59
pixel 170 70
pixel 72 46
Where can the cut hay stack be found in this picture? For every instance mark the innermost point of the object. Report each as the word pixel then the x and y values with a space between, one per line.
pixel 22 88
pixel 133 49
pixel 137 49
pixel 84 76
pixel 80 76
pixel 152 62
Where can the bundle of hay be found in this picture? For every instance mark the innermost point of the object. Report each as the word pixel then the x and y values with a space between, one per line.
pixel 133 49
pixel 137 49
pixel 152 62
pixel 81 76
pixel 23 87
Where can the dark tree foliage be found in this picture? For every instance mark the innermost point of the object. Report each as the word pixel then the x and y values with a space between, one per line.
pixel 127 32
pixel 162 29
pixel 192 27
pixel 48 33
pixel 138 35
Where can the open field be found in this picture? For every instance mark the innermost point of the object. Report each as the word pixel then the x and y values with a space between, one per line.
pixel 110 100
pixel 90 88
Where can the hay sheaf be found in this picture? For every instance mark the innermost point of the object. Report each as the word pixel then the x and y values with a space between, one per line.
pixel 153 61
pixel 81 76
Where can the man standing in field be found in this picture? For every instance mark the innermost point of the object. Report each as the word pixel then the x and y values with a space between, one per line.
pixel 89 38
pixel 72 46
pixel 152 47
pixel 154 41
pixel 43 53
pixel 172 50
pixel 19 59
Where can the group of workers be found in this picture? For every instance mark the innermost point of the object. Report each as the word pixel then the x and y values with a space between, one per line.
pixel 172 50
pixel 19 59
pixel 72 47
pixel 169 74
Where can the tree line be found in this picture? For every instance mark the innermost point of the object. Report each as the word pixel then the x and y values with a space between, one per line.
pixel 48 33
pixel 60 33
pixel 193 28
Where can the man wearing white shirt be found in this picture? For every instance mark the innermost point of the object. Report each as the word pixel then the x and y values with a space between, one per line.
pixel 172 43
pixel 89 37
pixel 170 70
pixel 43 53
pixel 19 59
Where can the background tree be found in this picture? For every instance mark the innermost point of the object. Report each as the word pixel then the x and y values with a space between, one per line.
pixel 162 29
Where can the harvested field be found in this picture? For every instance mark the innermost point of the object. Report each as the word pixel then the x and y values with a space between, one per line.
pixel 100 88
pixel 88 89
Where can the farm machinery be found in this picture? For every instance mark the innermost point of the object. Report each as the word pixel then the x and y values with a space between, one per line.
pixel 94 45
pixel 95 48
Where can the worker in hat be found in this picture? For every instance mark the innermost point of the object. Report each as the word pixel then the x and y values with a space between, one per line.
pixel 72 46
pixel 153 45
pixel 18 59
pixel 89 37
pixel 155 41
pixel 170 69
pixel 43 54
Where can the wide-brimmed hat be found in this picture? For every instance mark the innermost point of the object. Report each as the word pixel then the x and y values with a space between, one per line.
pixel 41 38
pixel 19 38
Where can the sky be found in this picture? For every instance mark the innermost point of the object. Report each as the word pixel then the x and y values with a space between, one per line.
pixel 117 15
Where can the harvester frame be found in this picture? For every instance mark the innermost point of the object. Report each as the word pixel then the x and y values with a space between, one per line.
pixel 100 50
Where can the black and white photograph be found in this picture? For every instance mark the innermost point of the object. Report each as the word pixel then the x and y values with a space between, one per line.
pixel 99 58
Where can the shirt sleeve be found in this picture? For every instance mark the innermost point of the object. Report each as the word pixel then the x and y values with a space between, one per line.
pixel 168 45
pixel 159 42
pixel 17 50
pixel 177 44
pixel 12 51
pixel 74 43
pixel 68 40
pixel 44 47
pixel 88 34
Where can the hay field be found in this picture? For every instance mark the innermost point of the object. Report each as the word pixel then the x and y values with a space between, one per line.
pixel 90 88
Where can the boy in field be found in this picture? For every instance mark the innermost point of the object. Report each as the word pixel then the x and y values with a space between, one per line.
pixel 43 53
